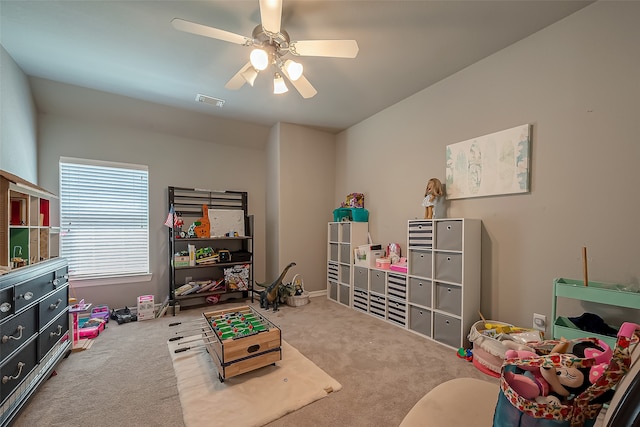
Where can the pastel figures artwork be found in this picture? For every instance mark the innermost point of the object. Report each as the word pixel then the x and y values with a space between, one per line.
pixel 433 196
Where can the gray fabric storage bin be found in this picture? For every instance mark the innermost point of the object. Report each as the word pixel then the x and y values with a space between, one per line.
pixel 344 295
pixel 448 267
pixel 360 277
pixel 378 279
pixel 449 235
pixel 420 291
pixel 446 329
pixel 420 320
pixel 420 263
pixel 449 298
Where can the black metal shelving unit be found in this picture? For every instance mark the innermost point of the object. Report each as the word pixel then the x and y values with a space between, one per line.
pixel 189 204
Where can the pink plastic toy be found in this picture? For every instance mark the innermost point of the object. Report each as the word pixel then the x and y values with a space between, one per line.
pixel 91 328
pixel 100 312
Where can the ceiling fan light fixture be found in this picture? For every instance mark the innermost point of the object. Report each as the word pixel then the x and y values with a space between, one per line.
pixel 279 86
pixel 259 59
pixel 294 69
pixel 250 75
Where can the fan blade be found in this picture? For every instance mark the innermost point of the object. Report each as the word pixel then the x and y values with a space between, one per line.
pixel 214 33
pixel 237 81
pixel 302 85
pixel 330 48
pixel 271 15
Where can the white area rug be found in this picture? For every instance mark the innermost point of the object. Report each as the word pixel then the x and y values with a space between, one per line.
pixel 251 399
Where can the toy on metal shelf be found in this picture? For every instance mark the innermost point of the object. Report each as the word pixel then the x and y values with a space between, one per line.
pixel 203 229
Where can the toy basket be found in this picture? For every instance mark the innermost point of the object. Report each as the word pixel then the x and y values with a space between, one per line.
pixel 515 410
pixel 298 300
pixel 488 353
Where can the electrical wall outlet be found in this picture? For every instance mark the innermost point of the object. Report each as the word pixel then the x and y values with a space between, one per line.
pixel 539 321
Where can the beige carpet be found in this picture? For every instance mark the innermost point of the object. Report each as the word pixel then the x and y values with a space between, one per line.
pixel 251 399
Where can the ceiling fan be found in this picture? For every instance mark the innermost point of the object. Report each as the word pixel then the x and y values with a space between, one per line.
pixel 271 46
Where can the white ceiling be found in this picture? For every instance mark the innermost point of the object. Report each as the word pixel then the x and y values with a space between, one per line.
pixel 130 48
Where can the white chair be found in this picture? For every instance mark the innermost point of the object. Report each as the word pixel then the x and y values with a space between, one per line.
pixel 464 402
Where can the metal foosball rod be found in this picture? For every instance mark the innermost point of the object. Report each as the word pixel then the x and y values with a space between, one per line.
pixel 192 331
pixel 190 322
pixel 206 338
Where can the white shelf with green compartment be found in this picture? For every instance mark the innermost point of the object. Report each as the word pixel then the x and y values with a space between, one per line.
pixel 596 292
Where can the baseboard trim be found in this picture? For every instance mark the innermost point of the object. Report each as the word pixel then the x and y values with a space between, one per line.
pixel 314 294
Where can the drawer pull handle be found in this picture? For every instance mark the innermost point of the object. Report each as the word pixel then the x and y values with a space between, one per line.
pixel 448 258
pixel 11 337
pixel 448 289
pixel 56 282
pixel 253 348
pixel 5 307
pixel 448 227
pixel 26 296
pixel 6 378
pixel 56 334
pixel 56 305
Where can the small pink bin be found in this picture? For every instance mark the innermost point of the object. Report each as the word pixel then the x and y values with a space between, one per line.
pixel 383 263
pixel 401 268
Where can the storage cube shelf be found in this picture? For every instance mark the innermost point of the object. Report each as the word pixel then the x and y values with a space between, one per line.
pixel 439 296
pixel 344 237
pixel 26 233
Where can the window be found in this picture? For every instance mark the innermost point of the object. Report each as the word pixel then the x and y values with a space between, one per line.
pixel 104 218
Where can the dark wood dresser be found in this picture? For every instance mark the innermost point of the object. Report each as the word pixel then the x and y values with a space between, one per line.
pixel 34 330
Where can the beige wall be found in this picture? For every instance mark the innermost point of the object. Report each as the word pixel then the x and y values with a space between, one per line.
pixel 576 82
pixel 172 161
pixel 272 207
pixel 307 164
pixel 18 128
pixel 301 164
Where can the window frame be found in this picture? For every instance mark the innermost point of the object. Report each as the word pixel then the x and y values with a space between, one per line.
pixel 143 213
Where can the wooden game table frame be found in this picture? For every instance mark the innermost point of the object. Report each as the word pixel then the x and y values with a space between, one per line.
pixel 244 353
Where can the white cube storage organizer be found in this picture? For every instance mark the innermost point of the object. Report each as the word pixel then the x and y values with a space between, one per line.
pixel 344 237
pixel 438 297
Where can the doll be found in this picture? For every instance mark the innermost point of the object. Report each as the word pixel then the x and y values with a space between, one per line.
pixel 432 196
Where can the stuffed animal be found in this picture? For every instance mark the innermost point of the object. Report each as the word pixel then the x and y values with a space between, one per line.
pixel 567 382
pixel 554 385
pixel 527 381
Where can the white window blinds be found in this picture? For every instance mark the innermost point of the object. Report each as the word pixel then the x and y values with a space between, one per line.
pixel 104 218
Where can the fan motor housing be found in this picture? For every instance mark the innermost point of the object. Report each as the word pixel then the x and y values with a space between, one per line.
pixel 280 40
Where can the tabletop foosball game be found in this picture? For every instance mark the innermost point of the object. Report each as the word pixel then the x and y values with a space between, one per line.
pixel 240 340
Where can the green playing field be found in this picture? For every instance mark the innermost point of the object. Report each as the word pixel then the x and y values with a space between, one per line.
pixel 236 325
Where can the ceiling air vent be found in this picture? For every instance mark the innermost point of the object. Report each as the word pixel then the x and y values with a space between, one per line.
pixel 210 100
